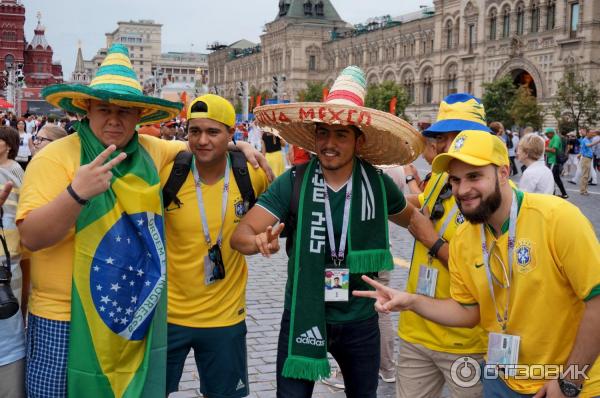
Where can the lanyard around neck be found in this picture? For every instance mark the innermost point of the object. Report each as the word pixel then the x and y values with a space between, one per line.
pixel 338 256
pixel 198 184
pixel 512 231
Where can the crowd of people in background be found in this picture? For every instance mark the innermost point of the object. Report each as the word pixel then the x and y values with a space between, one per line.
pixel 564 154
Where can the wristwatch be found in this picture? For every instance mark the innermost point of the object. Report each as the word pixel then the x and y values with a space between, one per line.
pixel 409 179
pixel 568 388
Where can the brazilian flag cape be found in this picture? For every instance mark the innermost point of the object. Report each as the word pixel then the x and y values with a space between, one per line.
pixel 117 344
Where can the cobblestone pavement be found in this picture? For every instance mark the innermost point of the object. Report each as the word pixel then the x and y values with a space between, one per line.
pixel 265 305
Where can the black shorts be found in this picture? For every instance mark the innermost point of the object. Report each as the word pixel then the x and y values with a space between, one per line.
pixel 220 355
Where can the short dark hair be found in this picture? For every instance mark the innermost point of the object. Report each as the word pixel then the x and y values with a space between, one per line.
pixel 11 137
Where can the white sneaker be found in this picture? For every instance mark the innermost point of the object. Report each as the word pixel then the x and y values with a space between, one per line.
pixel 336 380
pixel 391 379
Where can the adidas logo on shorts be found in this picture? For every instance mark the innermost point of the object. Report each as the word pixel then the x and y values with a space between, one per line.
pixel 240 385
pixel 312 336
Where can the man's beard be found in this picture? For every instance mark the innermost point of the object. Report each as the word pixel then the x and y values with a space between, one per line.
pixel 335 167
pixel 486 208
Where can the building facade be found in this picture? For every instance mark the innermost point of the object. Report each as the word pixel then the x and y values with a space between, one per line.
pixel 35 56
pixel 34 59
pixel 155 69
pixel 455 46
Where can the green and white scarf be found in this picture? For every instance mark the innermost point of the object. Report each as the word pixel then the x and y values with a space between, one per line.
pixel 368 251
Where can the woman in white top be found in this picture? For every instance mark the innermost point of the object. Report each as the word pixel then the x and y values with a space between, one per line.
pixel 24 153
pixel 537 177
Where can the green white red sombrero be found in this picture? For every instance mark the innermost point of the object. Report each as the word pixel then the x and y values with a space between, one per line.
pixel 390 140
pixel 115 82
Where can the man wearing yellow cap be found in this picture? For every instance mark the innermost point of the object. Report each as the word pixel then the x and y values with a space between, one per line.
pixel 90 212
pixel 526 267
pixel 427 349
pixel 207 279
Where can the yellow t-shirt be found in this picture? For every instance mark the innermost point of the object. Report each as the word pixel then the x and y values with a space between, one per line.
pixel 416 329
pixel 191 302
pixel 48 174
pixel 556 267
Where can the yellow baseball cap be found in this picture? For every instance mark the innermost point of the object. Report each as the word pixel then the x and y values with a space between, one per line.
pixel 211 106
pixel 475 148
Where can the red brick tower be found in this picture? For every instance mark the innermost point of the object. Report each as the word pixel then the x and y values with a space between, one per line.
pixel 39 69
pixel 12 35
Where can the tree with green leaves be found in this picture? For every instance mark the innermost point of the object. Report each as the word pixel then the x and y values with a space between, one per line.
pixel 237 105
pixel 525 110
pixel 576 101
pixel 379 96
pixel 498 98
pixel 312 93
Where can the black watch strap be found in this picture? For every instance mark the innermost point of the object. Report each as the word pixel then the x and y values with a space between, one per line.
pixel 433 251
pixel 410 178
pixel 569 389
pixel 77 198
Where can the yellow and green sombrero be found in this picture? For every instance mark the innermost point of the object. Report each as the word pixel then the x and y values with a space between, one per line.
pixel 115 82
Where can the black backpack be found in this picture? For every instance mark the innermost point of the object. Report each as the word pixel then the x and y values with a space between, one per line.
pixel 290 223
pixel 181 168
pixel 563 155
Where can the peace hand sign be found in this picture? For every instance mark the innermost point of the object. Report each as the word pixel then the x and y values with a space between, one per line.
pixel 94 178
pixel 268 241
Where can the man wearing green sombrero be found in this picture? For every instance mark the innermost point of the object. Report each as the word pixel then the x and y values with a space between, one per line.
pixel 337 208
pixel 91 213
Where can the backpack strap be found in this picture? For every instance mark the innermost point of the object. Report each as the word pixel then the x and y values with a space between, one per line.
pixel 242 178
pixel 292 218
pixel 181 168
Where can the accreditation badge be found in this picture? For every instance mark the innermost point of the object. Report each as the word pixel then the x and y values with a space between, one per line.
pixel 427 280
pixel 337 284
pixel 209 271
pixel 503 350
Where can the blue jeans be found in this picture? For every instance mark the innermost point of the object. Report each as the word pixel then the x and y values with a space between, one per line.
pixel 497 388
pixel 356 348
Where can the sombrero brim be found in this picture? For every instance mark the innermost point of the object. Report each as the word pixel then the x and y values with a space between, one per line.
pixel 72 98
pixel 389 139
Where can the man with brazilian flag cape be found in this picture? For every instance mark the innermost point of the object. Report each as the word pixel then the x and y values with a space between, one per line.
pixel 91 214
pixel 339 229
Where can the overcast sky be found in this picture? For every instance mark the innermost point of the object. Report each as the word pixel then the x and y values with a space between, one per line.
pixel 187 24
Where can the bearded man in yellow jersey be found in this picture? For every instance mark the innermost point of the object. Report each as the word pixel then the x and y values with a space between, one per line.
pixel 427 349
pixel 207 279
pixel 526 267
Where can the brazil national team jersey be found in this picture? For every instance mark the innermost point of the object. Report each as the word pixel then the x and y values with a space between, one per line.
pixel 191 302
pixel 416 329
pixel 556 269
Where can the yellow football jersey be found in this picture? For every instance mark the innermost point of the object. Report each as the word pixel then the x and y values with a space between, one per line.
pixel 192 303
pixel 416 329
pixel 556 267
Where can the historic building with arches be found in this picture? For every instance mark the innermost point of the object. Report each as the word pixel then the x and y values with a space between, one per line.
pixel 455 46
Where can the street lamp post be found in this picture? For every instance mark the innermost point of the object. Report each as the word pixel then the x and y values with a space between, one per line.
pixel 157 74
pixel 9 77
pixel 19 85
